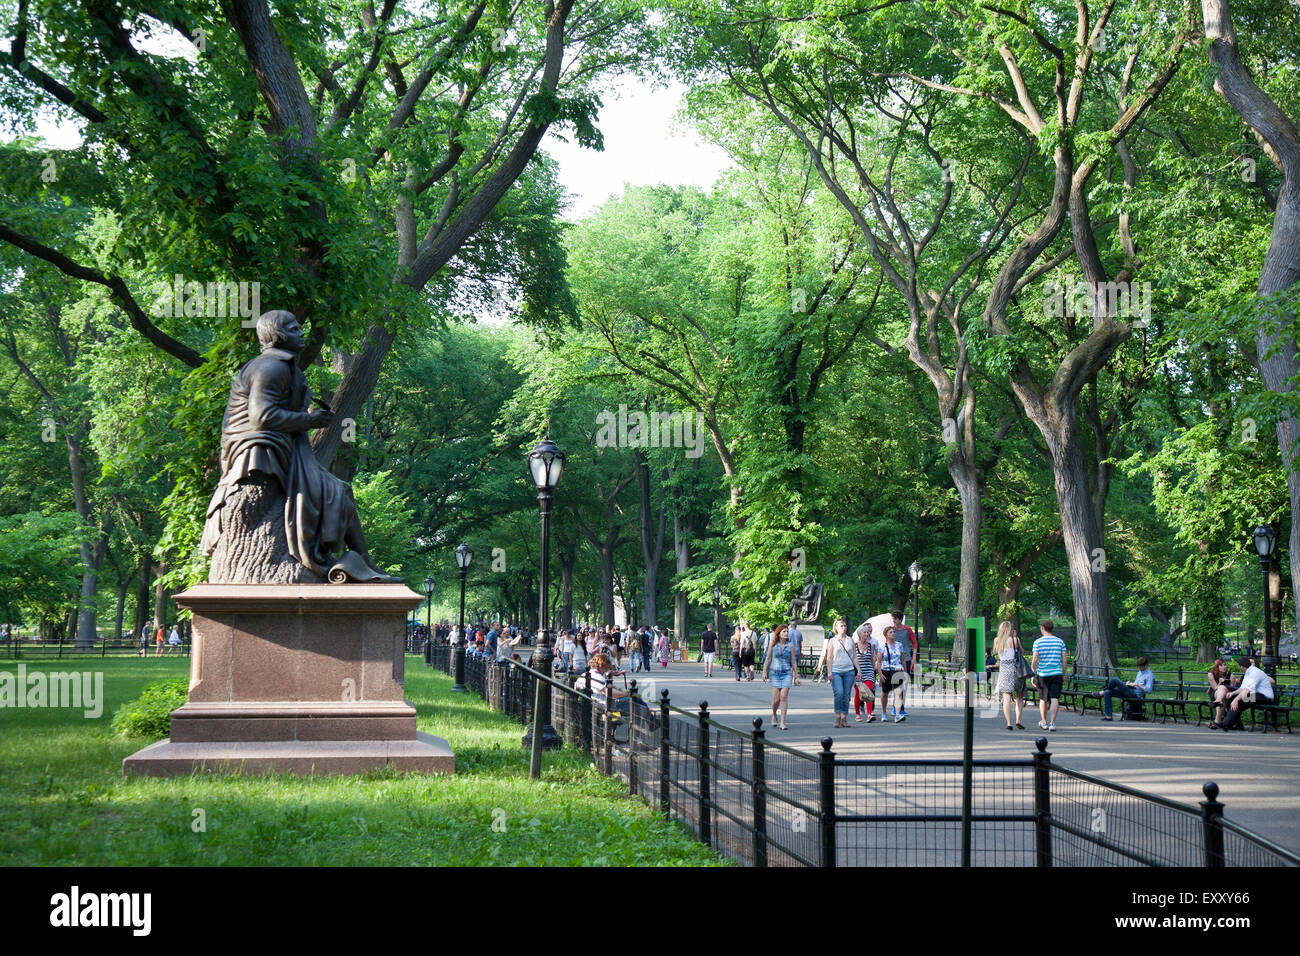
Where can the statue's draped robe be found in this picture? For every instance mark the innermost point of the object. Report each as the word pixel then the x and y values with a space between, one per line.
pixel 265 430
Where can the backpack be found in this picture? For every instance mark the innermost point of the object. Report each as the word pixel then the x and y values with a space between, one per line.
pixel 635 645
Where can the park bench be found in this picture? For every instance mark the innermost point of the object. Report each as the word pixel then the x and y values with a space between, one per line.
pixel 1168 700
pixel 1262 713
pixel 1076 691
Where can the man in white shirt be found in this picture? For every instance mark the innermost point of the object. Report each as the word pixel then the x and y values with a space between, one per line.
pixel 1255 688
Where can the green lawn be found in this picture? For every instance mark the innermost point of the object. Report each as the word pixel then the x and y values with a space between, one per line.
pixel 68 804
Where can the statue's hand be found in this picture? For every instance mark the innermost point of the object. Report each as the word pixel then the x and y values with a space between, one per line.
pixel 319 418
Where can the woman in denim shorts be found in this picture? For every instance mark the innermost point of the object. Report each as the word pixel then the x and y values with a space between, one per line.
pixel 778 668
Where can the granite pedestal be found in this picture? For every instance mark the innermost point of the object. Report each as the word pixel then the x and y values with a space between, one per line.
pixel 295 678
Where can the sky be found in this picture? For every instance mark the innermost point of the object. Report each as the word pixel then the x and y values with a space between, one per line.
pixel 643 146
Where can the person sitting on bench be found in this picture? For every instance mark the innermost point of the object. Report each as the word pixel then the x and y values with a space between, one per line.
pixel 1136 689
pixel 1221 685
pixel 1255 688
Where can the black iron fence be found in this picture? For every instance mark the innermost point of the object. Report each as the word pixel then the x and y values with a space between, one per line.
pixel 103 648
pixel 765 804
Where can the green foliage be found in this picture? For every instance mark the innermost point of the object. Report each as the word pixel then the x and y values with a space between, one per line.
pixel 387 520
pixel 39 560
pixel 149 715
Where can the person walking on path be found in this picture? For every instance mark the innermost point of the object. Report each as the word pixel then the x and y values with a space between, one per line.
pixel 665 650
pixel 842 658
pixel 708 650
pixel 891 659
pixel 779 669
pixel 907 637
pixel 1010 684
pixel 747 648
pixel 634 648
pixel 864 691
pixel 578 656
pixel 1049 664
pixel 735 651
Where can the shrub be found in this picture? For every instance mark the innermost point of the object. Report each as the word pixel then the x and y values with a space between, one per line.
pixel 148 715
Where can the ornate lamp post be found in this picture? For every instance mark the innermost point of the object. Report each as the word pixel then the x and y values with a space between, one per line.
pixel 546 464
pixel 428 621
pixel 463 555
pixel 914 572
pixel 1265 539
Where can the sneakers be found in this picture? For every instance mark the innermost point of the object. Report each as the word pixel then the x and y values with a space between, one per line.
pixel 1107 718
pixel 1051 727
pixel 1042 724
pixel 893 712
pixel 903 712
pixel 900 718
pixel 871 719
pixel 859 718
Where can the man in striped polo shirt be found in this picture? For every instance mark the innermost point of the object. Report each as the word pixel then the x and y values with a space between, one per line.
pixel 1049 665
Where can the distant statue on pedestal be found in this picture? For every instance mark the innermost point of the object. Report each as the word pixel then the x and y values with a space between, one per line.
pixel 277 516
pixel 807 604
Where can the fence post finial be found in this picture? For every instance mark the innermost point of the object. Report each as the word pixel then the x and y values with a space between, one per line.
pixel 1212 824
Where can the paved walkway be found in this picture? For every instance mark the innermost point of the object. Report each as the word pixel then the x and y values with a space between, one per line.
pixel 1258 774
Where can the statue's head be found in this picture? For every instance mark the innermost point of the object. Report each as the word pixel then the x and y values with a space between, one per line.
pixel 280 330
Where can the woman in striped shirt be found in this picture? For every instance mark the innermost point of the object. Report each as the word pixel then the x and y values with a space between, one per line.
pixel 867 667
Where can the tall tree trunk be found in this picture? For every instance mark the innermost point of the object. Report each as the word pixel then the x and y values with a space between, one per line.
pixel 606 585
pixel 142 590
pixel 1084 548
pixel 652 539
pixel 123 585
pixel 568 558
pixel 972 519
pixel 92 552
pixel 160 597
pixel 1281 269
pixel 682 550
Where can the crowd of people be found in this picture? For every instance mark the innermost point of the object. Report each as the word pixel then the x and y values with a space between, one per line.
pixel 860 666
pixel 869 672
pixel 170 644
pixel 1230 693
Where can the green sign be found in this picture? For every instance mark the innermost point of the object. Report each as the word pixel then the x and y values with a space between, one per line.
pixel 976 661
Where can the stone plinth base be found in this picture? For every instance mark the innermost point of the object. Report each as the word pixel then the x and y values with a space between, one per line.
pixel 422 754
pixel 814 638
pixel 296 678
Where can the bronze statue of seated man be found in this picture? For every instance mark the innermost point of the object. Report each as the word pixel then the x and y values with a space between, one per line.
pixel 277 516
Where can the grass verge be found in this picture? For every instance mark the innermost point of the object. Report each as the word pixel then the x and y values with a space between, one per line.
pixel 68 804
